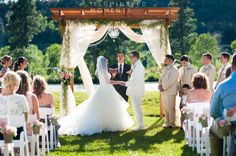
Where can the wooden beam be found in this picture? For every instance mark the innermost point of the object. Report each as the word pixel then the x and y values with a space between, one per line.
pixel 161 105
pixel 114 13
pixel 72 83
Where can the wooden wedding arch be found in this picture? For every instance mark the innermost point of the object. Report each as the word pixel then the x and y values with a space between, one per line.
pixel 114 14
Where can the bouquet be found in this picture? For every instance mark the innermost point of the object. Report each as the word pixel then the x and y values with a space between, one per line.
pixel 8 132
pixel 54 121
pixel 65 75
pixel 36 127
pixel 187 113
pixel 203 119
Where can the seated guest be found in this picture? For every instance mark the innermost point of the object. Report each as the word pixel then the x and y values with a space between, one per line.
pixel 200 91
pixel 10 102
pixel 6 63
pixel 39 88
pixel 45 99
pixel 20 64
pixel 24 89
pixel 224 98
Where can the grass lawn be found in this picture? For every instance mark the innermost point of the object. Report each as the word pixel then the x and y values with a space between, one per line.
pixel 153 141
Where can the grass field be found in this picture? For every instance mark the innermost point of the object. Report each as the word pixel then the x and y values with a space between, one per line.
pixel 154 140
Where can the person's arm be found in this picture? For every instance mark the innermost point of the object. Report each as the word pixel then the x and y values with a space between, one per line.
pixel 211 76
pixel 52 104
pixel 216 109
pixel 1 74
pixel 231 111
pixel 113 82
pixel 26 116
pixel 35 103
pixel 25 107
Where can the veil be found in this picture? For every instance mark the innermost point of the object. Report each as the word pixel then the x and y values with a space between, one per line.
pixel 102 69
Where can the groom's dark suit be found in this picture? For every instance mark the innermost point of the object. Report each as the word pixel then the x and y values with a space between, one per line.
pixel 121 77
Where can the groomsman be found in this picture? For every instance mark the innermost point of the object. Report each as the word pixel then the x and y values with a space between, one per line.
pixel 121 74
pixel 224 60
pixel 208 69
pixel 168 86
pixel 186 71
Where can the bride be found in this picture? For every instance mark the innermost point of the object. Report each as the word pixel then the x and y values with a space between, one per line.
pixel 105 110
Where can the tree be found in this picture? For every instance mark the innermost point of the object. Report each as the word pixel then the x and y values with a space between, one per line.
pixel 53 53
pixel 183 27
pixel 204 43
pixel 25 23
pixel 233 45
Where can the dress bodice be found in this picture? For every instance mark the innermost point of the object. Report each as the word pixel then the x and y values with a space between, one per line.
pixel 104 79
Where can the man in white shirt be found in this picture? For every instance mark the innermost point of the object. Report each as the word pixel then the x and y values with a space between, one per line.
pixel 135 88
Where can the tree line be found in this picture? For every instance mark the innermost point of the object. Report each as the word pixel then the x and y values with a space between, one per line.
pixel 27 30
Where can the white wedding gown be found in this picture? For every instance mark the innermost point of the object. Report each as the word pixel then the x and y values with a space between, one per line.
pixel 104 111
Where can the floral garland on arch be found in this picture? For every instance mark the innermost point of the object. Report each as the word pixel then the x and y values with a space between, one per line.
pixel 65 74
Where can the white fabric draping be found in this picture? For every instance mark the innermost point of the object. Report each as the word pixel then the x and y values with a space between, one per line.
pixel 81 35
pixel 150 36
pixel 152 39
pixel 131 34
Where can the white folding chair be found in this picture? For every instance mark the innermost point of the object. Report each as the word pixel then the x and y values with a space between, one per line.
pixel 227 139
pixel 199 109
pixel 190 124
pixel 48 112
pixel 205 141
pixel 19 121
pixel 226 145
pixel 33 138
pixel 8 148
pixel 44 131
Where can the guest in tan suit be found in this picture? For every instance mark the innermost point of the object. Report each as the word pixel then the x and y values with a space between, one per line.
pixel 208 69
pixel 168 86
pixel 186 72
pixel 224 60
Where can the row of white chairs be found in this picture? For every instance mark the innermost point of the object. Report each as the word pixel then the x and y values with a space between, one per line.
pixel 45 131
pixel 197 136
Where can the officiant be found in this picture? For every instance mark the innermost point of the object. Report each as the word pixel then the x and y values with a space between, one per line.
pixel 120 72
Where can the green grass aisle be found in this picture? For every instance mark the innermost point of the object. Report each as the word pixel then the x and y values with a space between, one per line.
pixel 153 141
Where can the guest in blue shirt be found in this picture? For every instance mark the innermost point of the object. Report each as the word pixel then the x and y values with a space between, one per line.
pixel 224 98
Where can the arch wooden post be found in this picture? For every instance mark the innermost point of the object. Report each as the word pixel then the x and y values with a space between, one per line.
pixel 161 105
pixel 72 83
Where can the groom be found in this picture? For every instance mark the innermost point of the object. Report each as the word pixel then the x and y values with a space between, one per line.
pixel 135 88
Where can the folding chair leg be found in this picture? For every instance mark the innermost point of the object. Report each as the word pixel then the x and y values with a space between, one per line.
pixel 43 145
pixel 47 140
pixel 37 144
pixel 51 138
